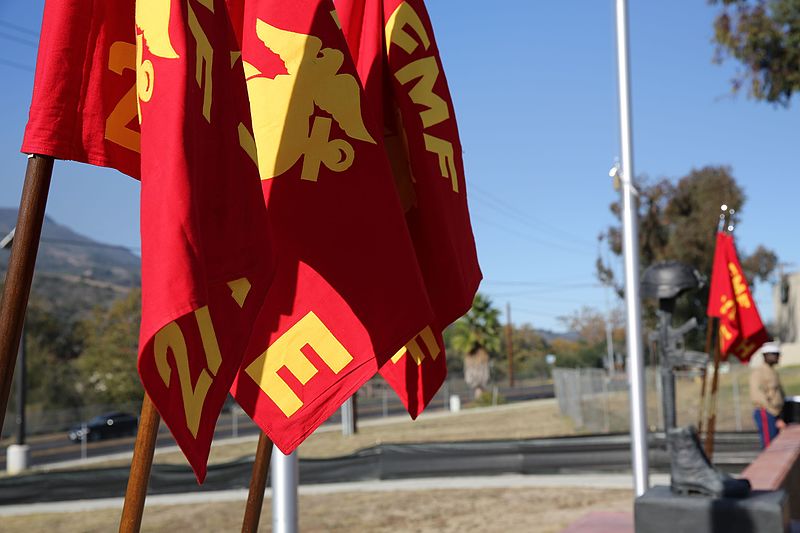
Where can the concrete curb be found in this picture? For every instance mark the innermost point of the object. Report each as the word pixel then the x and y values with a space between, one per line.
pixel 590 481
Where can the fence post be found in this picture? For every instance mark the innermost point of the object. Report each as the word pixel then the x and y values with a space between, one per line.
pixel 659 400
pixel 84 437
pixel 606 420
pixel 736 406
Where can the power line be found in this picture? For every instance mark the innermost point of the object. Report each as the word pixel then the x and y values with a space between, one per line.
pixel 13 64
pixel 520 218
pixel 532 283
pixel 548 299
pixel 514 212
pixel 527 236
pixel 18 40
pixel 543 290
pixel 20 29
pixel 91 244
pixel 537 313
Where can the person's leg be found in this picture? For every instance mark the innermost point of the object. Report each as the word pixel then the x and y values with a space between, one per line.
pixel 772 425
pixel 762 423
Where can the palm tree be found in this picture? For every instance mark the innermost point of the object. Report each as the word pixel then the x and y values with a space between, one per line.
pixel 477 336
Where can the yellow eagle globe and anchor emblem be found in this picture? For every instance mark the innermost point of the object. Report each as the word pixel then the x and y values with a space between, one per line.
pixel 283 106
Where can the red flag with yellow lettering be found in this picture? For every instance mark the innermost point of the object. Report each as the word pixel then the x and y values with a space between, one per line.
pixel 398 61
pixel 206 253
pixel 84 93
pixel 347 292
pixel 741 331
pixel 206 247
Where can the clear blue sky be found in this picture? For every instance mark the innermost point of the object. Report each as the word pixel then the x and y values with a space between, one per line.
pixel 534 86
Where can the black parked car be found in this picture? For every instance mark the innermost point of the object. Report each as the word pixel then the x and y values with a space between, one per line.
pixel 105 426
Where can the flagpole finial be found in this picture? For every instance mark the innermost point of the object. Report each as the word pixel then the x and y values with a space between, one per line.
pixel 726 218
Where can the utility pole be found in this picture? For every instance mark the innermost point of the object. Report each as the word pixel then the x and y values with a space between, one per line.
pixel 17 455
pixel 609 347
pixel 509 346
pixel 782 313
pixel 609 339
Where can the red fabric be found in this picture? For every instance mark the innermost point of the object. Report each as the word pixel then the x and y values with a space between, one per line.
pixel 203 222
pixel 347 291
pixel 741 331
pixel 84 97
pixel 765 426
pixel 407 92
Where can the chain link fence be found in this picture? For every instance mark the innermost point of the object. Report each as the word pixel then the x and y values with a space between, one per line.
pixel 38 421
pixel 597 402
pixel 375 400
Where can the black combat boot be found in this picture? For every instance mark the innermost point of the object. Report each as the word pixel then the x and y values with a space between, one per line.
pixel 691 471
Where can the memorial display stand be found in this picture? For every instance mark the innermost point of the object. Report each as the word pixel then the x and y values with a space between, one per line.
pixel 12 315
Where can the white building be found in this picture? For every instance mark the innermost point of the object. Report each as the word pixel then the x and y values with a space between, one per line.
pixel 786 302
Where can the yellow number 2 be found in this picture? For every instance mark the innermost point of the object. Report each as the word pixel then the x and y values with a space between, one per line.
pixel 170 338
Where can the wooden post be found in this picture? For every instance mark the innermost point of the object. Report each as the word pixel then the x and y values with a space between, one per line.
pixel 702 407
pixel 712 407
pixel 258 482
pixel 138 479
pixel 20 268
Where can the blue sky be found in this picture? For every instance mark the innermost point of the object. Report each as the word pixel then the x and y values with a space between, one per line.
pixel 534 87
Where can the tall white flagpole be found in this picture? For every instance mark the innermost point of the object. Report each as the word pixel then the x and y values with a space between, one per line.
pixel 285 477
pixel 631 254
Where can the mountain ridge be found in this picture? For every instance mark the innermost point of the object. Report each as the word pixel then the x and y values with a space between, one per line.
pixel 67 252
pixel 74 274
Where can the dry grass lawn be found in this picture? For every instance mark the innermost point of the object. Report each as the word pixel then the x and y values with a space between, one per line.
pixel 540 418
pixel 528 510
pixel 530 419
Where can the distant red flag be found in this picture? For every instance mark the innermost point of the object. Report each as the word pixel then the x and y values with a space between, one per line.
pixel 347 291
pixel 741 331
pixel 84 93
pixel 398 61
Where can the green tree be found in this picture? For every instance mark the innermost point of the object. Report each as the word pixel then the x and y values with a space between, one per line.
pixel 52 342
pixel 477 337
pixel 764 37
pixel 107 366
pixel 530 349
pixel 678 222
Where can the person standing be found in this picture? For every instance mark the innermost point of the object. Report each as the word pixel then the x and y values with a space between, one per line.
pixel 766 393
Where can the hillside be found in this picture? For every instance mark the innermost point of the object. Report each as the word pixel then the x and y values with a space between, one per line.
pixel 73 272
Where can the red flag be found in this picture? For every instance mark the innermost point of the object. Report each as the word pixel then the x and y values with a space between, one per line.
pixel 347 291
pixel 394 48
pixel 206 256
pixel 206 259
pixel 741 331
pixel 84 93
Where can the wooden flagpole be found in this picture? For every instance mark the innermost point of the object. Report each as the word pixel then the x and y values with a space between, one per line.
pixel 20 268
pixel 712 407
pixel 139 477
pixel 258 482
pixel 725 224
pixel 16 291
pixel 702 408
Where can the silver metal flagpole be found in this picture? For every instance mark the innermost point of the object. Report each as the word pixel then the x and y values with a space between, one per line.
pixel 631 254
pixel 285 474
